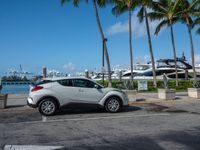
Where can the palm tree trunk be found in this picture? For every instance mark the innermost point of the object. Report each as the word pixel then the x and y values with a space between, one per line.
pixel 105 46
pixel 150 49
pixel 130 43
pixel 192 52
pixel 174 51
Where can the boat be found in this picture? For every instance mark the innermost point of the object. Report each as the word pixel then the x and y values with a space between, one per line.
pixel 164 66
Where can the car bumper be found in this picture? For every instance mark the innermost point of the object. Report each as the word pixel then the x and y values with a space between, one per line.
pixel 30 103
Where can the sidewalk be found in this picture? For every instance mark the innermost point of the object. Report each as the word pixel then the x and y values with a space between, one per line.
pixel 19 100
pixel 145 98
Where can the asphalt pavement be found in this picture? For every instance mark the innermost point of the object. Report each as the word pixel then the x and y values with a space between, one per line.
pixel 159 125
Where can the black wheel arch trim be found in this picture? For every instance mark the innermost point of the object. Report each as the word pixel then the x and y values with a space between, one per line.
pixel 48 96
pixel 113 96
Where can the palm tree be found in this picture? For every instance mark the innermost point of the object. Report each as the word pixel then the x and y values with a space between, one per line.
pixel 143 14
pixel 121 6
pixel 100 3
pixel 168 12
pixel 188 8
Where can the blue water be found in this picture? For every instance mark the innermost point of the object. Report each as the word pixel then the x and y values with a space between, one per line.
pixel 15 89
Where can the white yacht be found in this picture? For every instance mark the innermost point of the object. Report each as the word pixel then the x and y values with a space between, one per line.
pixel 164 66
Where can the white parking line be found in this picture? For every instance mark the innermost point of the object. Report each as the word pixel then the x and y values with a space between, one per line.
pixel 32 147
pixel 44 118
pixel 92 118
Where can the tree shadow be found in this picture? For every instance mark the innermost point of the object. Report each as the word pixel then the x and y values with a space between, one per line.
pixel 130 143
pixel 156 108
pixel 192 140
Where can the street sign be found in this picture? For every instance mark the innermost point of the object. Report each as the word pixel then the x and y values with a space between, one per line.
pixel 142 85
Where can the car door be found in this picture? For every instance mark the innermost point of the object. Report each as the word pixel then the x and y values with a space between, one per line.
pixel 87 91
pixel 65 91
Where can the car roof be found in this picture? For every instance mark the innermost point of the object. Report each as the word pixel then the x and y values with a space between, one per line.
pixel 63 78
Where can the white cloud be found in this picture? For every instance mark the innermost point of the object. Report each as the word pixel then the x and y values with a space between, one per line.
pixel 142 59
pixel 69 67
pixel 138 29
pixel 197 58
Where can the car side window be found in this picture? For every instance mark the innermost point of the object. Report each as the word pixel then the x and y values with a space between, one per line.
pixel 66 82
pixel 83 83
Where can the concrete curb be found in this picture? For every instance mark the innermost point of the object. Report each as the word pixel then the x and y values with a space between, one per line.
pixel 160 101
pixel 32 147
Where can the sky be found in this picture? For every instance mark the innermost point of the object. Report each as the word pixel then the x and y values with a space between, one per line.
pixel 38 33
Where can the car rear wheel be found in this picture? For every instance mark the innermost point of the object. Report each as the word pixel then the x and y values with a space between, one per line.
pixel 47 107
pixel 113 105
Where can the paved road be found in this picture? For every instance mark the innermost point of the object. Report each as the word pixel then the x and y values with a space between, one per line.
pixel 159 126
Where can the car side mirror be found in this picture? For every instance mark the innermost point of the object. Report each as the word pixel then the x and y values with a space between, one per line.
pixel 96 86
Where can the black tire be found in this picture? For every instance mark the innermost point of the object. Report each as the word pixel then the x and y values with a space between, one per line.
pixel 113 105
pixel 47 107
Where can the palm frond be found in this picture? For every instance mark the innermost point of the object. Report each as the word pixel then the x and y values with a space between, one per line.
pixel 197 21
pixel 198 31
pixel 176 5
pixel 121 6
pixel 159 6
pixel 155 15
pixel 141 14
pixel 75 2
pixel 161 25
pixel 102 3
pixel 119 9
pixel 64 1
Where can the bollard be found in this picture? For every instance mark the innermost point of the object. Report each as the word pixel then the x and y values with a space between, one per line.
pixel 86 73
pixel 44 70
pixel 3 101
pixel 186 74
pixel 120 76
pixel 0 85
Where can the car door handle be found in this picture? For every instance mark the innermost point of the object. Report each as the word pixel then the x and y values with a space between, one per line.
pixel 81 90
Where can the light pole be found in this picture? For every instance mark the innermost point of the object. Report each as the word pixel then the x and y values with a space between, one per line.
pixel 103 52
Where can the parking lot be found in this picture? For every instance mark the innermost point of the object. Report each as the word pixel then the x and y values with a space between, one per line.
pixel 154 125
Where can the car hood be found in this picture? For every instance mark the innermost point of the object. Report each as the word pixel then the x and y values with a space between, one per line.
pixel 111 89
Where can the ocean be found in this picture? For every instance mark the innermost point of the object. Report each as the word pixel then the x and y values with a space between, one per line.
pixel 15 89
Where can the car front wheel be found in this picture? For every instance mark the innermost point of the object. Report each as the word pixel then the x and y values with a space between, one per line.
pixel 47 107
pixel 113 105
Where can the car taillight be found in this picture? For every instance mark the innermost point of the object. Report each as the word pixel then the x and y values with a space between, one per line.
pixel 36 88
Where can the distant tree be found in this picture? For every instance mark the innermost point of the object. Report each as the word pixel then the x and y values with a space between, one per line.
pixel 167 12
pixel 101 3
pixel 120 7
pixel 142 14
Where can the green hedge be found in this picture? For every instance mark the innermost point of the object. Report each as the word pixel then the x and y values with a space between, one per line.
pixel 183 84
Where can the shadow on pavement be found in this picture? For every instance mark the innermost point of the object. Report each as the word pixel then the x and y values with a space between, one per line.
pixel 134 143
pixel 190 140
pixel 90 110
pixel 156 108
pixel 19 116
pixel 14 106
pixel 160 108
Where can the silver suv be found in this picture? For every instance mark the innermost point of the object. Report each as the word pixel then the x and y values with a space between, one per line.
pixel 50 95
